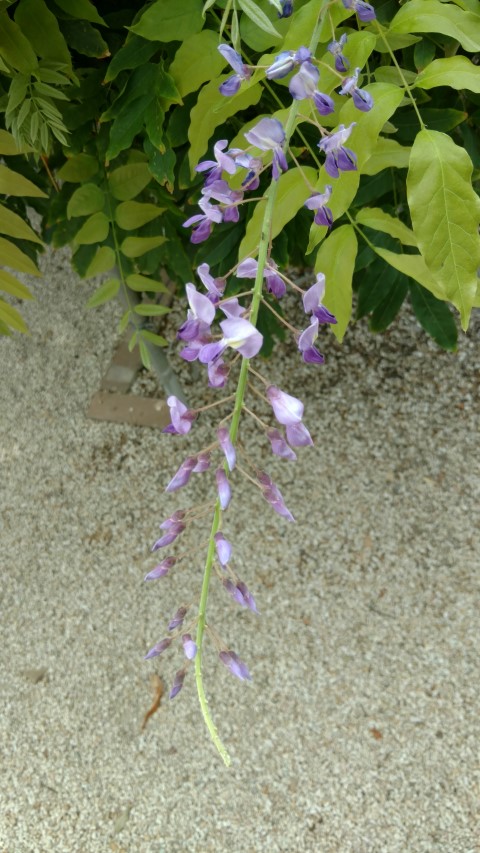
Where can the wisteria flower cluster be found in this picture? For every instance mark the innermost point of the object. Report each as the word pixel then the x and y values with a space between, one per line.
pixel 220 332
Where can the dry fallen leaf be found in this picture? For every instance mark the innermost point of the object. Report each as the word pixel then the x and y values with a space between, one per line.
pixel 157 685
pixel 376 733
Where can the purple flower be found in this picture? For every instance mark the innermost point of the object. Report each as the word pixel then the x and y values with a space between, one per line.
pixel 312 301
pixel 203 221
pixel 254 166
pixel 183 474
pixel 177 516
pixel 203 463
pixel 189 646
pixel 232 308
pixel 304 85
pixel 336 47
pixel 200 315
pixel 287 8
pixel 298 435
pixel 269 135
pixel 338 158
pixel 158 648
pixel 362 99
pixel 310 353
pixel 236 666
pixel 232 85
pixel 178 618
pixel 217 373
pixel 221 192
pixel 241 594
pixel 239 334
pixel 181 417
pixel 287 409
pixel 226 445
pixel 177 683
pixel 273 496
pixel 215 286
pixel 280 446
pixel 161 570
pixel 223 486
pixel 283 64
pixel 224 548
pixel 365 11
pixel 169 536
pixel 275 285
pixel 222 163
pixel 318 203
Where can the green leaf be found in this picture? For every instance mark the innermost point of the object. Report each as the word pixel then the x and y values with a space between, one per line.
pixel 134 54
pixel 388 309
pixel 445 214
pixel 196 61
pixel 127 124
pixel 13 257
pixel 154 123
pixel 147 310
pixel 376 283
pixel 423 54
pixel 413 266
pixel 152 338
pixel 13 225
pixel 258 17
pixel 212 110
pixel 303 21
pixel 85 39
pixel 107 291
pixel 292 192
pixel 169 20
pixel 83 9
pixel 336 259
pixel 456 71
pixel 94 230
pixel 134 214
pixel 144 284
pixel 162 167
pixel 124 321
pixel 12 317
pixel 40 26
pixel 432 16
pixel 386 154
pixel 434 316
pixel 12 183
pixel 78 168
pixel 375 217
pixel 134 247
pixel 103 261
pixel 15 47
pixel 128 181
pixel 88 199
pixel 9 284
pixel 9 146
pixel 145 354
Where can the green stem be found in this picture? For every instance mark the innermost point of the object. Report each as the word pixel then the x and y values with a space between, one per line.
pixel 264 243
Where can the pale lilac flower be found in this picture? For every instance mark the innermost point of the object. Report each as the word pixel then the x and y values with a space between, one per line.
pixel 362 99
pixel 232 308
pixel 183 474
pixel 338 158
pixel 306 341
pixel 234 591
pixel 161 570
pixel 287 409
pixel 239 334
pixel 217 373
pixel 177 516
pixel 286 62
pixel 221 192
pixel 312 301
pixel 215 286
pixel 226 445
pixel 269 135
pixel 275 285
pixel 236 666
pixel 365 11
pixel 336 47
pixel 223 547
pixel 232 85
pixel 181 417
pixel 189 646
pixel 222 163
pixel 224 489
pixel 280 446
pixel 318 203
pixel 202 222
pixel 177 683
pixel 273 496
pixel 298 435
pixel 178 618
pixel 254 166
pixel 158 648
pixel 169 536
pixel 203 463
pixel 200 315
pixel 304 85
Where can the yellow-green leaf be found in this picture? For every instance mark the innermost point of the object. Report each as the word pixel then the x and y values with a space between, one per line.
pixel 88 199
pixel 134 247
pixel 103 261
pixel 336 260
pixel 9 146
pixel 387 154
pixel 40 26
pixel 78 168
pixel 14 47
pixel 9 284
pixel 12 317
pixel 94 230
pixel 13 257
pixel 83 9
pixel 11 183
pixel 412 266
pixel 196 61
pixel 128 181
pixel 148 310
pixel 170 20
pixel 375 217
pixel 134 214
pixel 455 71
pixel 14 226
pixel 144 284
pixel 433 16
pixel 108 290
pixel 445 212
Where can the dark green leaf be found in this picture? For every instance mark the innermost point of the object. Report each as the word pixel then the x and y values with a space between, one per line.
pixel 376 282
pixel 162 166
pixel 85 39
pixel 434 316
pixel 136 52
pixel 388 309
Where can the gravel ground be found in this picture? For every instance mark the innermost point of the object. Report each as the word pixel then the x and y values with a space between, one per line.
pixel 359 732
